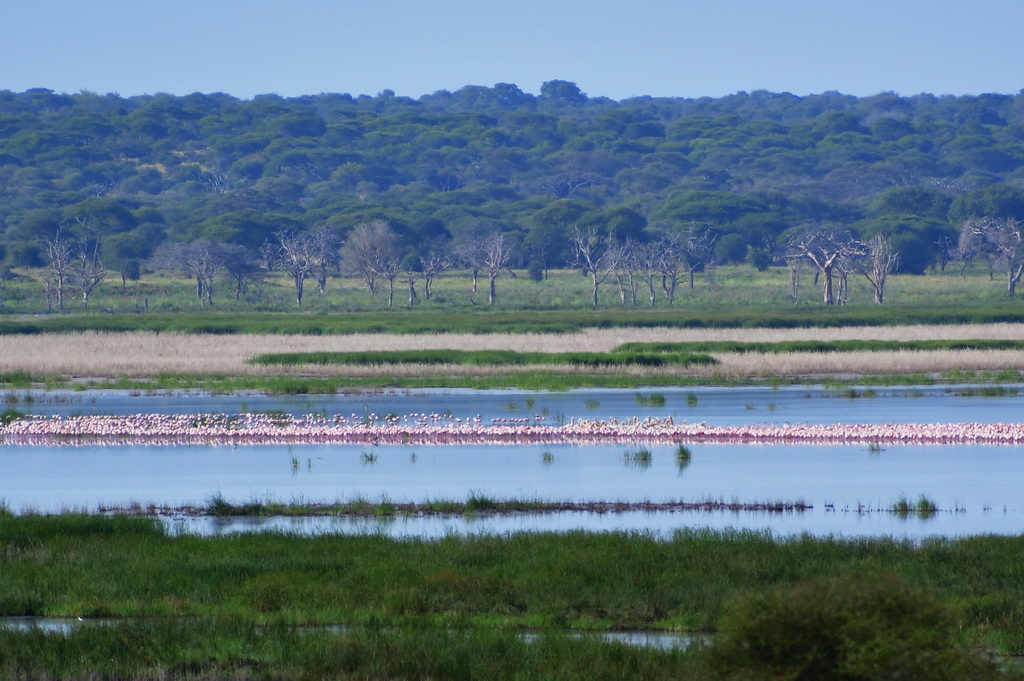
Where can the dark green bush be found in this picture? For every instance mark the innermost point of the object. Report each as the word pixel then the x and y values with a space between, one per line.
pixel 845 629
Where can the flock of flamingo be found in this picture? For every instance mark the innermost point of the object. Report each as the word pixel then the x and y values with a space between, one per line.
pixel 426 429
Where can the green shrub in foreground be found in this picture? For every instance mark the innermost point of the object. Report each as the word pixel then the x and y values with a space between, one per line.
pixel 850 629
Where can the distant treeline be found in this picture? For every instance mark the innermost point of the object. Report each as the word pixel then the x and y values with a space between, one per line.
pixel 125 176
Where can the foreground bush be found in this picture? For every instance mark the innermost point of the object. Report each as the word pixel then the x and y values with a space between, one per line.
pixel 850 629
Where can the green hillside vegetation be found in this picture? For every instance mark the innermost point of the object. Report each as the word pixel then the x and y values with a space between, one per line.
pixel 392 190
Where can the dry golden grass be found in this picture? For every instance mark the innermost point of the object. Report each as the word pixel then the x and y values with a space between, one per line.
pixel 141 354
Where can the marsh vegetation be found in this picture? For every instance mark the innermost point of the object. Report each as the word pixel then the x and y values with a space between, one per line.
pixel 439 598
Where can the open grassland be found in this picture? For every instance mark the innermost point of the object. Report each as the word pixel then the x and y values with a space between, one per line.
pixel 143 355
pixel 728 289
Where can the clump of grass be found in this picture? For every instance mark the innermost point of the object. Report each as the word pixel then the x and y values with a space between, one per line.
pixel 547 457
pixel 654 399
pixel 368 456
pixel 922 507
pixel 683 457
pixel 16 379
pixel 217 505
pixel 691 399
pixel 988 391
pixel 480 502
pixel 592 404
pixel 638 457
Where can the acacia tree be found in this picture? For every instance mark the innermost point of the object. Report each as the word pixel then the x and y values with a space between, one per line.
pixel 1001 238
pixel 357 256
pixel 881 261
pixel 695 247
pixel 824 246
pixel 241 264
pixel 431 265
pixel 326 254
pixel 198 259
pixel 683 252
pixel 304 253
pixel 410 276
pixel 371 251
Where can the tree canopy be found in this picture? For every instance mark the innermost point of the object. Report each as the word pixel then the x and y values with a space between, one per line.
pixel 747 166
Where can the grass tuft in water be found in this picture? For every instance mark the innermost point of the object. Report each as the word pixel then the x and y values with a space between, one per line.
pixel 922 507
pixel 639 457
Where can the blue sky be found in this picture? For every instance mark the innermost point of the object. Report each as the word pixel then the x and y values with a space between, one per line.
pixel 681 48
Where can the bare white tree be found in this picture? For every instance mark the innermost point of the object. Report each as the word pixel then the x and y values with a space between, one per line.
pixel 1000 237
pixel 61 253
pixel 496 254
pixel 881 261
pixel 200 260
pixel 647 259
pixel 297 255
pixel 86 273
pixel 591 255
pixel 622 259
pixel 371 251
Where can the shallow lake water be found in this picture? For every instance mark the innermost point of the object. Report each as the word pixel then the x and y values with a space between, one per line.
pixel 851 488
pixel 716 405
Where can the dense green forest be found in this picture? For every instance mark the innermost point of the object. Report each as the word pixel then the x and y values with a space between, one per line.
pixel 129 180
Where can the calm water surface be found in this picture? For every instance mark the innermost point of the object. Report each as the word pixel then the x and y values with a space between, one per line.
pixel 850 487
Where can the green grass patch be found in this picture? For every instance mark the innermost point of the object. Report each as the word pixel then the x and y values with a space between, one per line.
pixel 525 380
pixel 485 358
pixel 454 320
pixel 818 346
pixel 232 648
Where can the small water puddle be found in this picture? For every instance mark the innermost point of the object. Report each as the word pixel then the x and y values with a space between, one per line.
pixel 664 640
